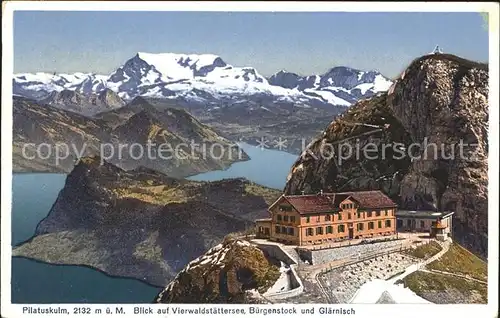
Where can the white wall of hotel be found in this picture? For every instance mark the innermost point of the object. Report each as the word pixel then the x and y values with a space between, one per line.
pixel 423 221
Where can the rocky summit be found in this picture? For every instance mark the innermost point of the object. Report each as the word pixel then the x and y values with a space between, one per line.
pixel 227 273
pixel 433 125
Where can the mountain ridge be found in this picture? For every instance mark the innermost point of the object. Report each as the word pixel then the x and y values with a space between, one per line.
pixel 76 135
pixel 141 223
pixel 206 79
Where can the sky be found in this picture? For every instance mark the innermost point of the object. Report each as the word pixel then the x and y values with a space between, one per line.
pixel 303 43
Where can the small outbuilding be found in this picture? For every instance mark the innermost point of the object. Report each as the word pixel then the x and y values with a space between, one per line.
pixel 437 224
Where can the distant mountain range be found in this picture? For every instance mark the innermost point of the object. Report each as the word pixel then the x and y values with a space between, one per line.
pixel 200 81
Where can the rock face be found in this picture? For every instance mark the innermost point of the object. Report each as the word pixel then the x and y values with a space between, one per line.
pixel 434 121
pixel 87 105
pixel 141 224
pixel 222 275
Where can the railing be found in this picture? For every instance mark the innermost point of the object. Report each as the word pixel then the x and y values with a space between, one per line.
pixel 349 243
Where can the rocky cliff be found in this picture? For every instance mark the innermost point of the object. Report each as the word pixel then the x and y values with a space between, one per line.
pixel 87 105
pixel 141 223
pixel 227 273
pixel 424 142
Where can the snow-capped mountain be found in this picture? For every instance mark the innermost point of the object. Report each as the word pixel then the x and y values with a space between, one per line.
pixel 206 80
pixel 340 85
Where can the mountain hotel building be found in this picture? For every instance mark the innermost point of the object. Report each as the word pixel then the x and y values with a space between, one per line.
pixel 328 217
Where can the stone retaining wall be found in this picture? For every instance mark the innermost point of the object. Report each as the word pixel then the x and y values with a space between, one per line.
pixel 329 255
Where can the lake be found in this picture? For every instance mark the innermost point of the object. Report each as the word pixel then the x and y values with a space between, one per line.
pixel 266 167
pixel 32 197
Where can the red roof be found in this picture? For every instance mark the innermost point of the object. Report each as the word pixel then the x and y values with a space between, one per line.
pixel 372 200
pixel 329 202
pixel 308 204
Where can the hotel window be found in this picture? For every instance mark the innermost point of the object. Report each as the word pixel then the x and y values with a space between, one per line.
pixel 318 219
pixel 319 231
pixel 359 215
pixel 349 216
pixel 368 214
pixel 290 231
pixel 285 208
pixel 328 217
pixel 277 229
pixel 285 218
pixel 341 228
pixel 386 212
pixel 308 219
pixel 408 223
pixel 361 226
pixel 370 225
pixel 379 224
pixel 309 231
pixel 278 217
pixel 387 223
pixel 377 213
pixel 283 230
pixel 292 219
pixel 329 229
pixel 422 224
pixel 340 216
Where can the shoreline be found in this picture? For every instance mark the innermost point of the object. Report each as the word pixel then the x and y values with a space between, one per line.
pixel 88 267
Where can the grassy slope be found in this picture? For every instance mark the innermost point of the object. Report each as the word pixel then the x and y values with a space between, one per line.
pixel 425 251
pixel 425 284
pixel 457 261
